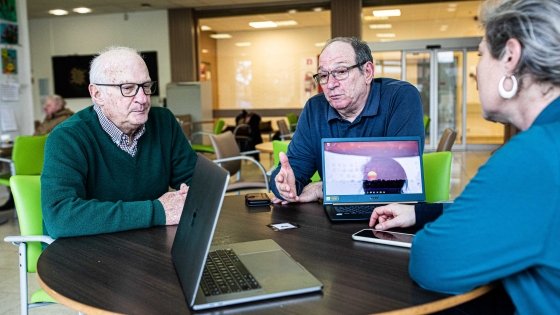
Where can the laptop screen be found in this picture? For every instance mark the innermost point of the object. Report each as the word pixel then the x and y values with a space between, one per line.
pixel 363 170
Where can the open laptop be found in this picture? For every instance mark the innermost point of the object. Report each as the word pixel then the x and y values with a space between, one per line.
pixel 362 173
pixel 228 274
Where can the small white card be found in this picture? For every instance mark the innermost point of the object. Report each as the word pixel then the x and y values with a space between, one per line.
pixel 283 226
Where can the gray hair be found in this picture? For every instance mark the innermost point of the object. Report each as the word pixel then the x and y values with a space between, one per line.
pixel 99 72
pixel 535 24
pixel 58 100
pixel 361 49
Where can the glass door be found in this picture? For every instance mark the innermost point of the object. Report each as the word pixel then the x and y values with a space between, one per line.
pixel 438 75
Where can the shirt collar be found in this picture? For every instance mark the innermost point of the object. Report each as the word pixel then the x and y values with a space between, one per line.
pixel 551 113
pixel 372 104
pixel 115 133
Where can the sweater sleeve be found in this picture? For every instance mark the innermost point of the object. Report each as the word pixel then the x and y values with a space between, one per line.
pixel 500 224
pixel 406 117
pixel 426 213
pixel 66 209
pixel 301 153
pixel 183 157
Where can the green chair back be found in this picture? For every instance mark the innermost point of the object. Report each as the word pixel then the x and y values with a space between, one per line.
pixel 426 123
pixel 208 148
pixel 437 175
pixel 282 146
pixel 26 190
pixel 27 157
pixel 219 126
pixel 292 121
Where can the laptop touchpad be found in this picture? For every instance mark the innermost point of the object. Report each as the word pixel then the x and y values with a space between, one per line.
pixel 274 270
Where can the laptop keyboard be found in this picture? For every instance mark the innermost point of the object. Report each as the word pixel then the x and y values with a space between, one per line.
pixel 225 273
pixel 356 209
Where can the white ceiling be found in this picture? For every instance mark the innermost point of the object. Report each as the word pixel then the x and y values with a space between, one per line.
pixel 40 8
pixel 416 21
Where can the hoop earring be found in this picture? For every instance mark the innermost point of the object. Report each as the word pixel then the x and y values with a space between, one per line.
pixel 507 94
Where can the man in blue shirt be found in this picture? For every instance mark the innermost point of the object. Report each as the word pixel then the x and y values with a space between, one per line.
pixel 352 105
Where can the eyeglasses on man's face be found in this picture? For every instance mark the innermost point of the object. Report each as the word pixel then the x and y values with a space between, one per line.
pixel 131 89
pixel 339 73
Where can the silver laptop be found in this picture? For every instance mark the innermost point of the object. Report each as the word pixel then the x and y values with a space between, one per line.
pixel 360 174
pixel 213 276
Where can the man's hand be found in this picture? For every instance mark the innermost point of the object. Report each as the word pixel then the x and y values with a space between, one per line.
pixel 173 203
pixel 392 216
pixel 285 181
pixel 311 192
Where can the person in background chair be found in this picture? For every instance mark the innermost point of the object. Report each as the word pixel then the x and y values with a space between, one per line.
pixel 353 105
pixel 505 226
pixel 109 167
pixel 55 113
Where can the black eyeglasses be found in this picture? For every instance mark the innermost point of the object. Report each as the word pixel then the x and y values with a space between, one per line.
pixel 131 89
pixel 340 73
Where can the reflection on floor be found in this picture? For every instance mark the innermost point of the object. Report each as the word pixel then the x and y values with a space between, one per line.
pixel 465 166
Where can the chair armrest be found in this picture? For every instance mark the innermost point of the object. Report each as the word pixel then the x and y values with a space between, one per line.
pixel 6 160
pixel 250 152
pixel 235 158
pixel 283 137
pixel 25 239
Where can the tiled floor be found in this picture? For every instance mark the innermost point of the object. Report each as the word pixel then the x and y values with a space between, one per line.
pixel 465 166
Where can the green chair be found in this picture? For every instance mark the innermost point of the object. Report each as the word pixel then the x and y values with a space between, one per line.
pixel 437 175
pixel 426 123
pixel 282 146
pixel 27 157
pixel 208 148
pixel 26 190
pixel 292 120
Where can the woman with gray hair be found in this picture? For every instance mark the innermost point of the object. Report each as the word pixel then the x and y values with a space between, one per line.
pixel 505 224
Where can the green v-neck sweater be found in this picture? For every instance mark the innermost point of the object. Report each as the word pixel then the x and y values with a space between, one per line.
pixel 91 186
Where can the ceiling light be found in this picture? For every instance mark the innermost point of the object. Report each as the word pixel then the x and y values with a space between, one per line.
pixel 285 23
pixel 205 28
pixel 58 12
pixel 385 35
pixel 220 36
pixel 379 13
pixel 453 5
pixel 243 44
pixel 451 9
pixel 375 18
pixel 317 9
pixel 292 11
pixel 262 24
pixel 204 51
pixel 380 26
pixel 320 44
pixel 82 10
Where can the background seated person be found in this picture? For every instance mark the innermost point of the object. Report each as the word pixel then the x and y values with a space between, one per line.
pixel 353 105
pixel 506 224
pixel 55 113
pixel 109 167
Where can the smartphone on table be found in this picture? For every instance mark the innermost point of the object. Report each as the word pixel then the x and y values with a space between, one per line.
pixel 257 199
pixel 384 237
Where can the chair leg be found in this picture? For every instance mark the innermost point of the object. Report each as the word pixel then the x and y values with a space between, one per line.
pixel 23 278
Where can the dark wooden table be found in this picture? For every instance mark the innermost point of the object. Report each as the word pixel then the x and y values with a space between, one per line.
pixel 132 272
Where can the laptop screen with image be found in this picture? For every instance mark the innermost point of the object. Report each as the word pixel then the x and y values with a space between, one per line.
pixel 380 170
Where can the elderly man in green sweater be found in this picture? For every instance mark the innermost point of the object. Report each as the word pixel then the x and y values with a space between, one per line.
pixel 109 167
